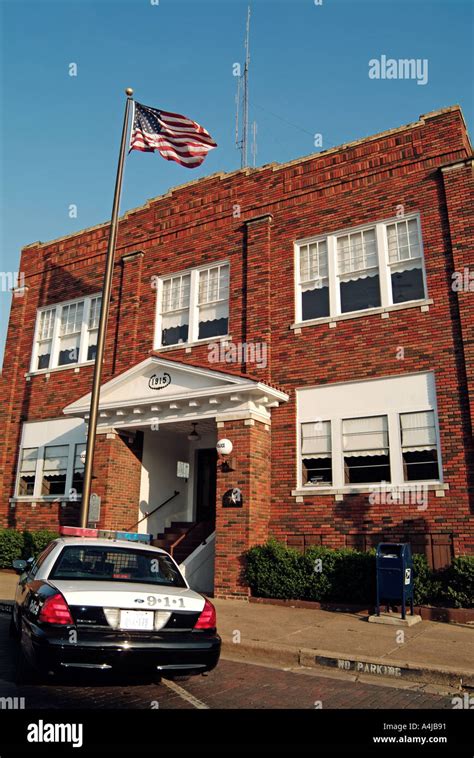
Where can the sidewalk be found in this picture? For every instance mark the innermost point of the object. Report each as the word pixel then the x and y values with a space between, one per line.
pixel 432 652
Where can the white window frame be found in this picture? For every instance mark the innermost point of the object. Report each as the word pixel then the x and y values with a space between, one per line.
pixel 55 340
pixel 39 474
pixel 384 270
pixel 394 446
pixel 193 320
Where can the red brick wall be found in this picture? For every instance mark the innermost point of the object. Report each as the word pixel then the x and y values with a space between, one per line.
pixel 237 529
pixel 196 223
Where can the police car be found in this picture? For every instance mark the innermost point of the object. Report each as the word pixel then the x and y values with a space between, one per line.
pixel 111 601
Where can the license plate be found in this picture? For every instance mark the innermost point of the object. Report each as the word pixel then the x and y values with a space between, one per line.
pixel 136 619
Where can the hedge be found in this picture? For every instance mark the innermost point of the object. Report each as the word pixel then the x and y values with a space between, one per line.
pixel 15 544
pixel 325 575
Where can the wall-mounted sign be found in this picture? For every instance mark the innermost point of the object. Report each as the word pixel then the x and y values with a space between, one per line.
pixel 159 381
pixel 94 509
pixel 232 498
pixel 182 470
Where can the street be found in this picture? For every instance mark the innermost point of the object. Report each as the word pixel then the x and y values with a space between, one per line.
pixel 232 685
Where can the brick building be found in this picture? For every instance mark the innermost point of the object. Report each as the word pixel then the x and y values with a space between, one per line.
pixel 318 314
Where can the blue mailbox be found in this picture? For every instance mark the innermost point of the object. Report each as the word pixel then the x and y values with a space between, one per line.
pixel 394 567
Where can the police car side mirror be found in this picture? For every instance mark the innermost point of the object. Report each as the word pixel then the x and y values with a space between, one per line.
pixel 19 566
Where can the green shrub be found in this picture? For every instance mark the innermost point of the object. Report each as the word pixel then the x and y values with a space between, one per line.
pixel 35 542
pixel 321 574
pixel 11 546
pixel 325 575
pixel 458 582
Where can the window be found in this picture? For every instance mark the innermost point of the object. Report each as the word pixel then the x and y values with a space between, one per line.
pixel 49 461
pixel 97 563
pixel 366 450
pixel 193 305
pixel 70 333
pixel 45 336
pixel 359 269
pixel 93 327
pixel 406 268
pixel 213 301
pixel 316 453
pixel 314 279
pixel 55 470
pixel 373 431
pixel 66 334
pixel 175 310
pixel 419 446
pixel 78 468
pixel 27 478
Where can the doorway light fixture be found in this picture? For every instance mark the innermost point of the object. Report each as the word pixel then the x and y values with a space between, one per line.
pixel 194 436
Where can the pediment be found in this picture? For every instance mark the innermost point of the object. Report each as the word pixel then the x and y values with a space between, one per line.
pixel 157 379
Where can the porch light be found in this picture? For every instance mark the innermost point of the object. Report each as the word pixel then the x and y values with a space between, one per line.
pixel 194 436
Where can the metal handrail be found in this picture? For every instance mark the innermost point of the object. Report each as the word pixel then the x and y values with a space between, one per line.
pixel 176 492
pixel 185 534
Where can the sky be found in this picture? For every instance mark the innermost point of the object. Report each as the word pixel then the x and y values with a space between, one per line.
pixel 309 74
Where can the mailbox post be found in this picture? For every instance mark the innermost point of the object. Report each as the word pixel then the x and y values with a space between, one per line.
pixel 394 567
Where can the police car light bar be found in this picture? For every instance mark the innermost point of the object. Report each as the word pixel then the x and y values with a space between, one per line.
pixel 108 534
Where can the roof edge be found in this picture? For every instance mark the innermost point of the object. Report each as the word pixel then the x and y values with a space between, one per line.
pixel 248 170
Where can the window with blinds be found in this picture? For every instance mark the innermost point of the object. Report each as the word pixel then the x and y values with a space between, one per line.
pixel 213 301
pixel 419 446
pixel 359 269
pixel 175 310
pixel 93 327
pixel 366 451
pixel 194 306
pixel 314 279
pixel 45 337
pixel 27 477
pixel 55 470
pixel 66 334
pixel 405 260
pixel 316 453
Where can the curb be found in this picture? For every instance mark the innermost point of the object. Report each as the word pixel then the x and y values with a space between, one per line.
pixel 378 668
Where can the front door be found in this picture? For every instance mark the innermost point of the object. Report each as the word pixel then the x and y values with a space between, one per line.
pixel 206 461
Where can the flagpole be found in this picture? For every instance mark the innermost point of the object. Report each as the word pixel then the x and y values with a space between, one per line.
pixel 104 312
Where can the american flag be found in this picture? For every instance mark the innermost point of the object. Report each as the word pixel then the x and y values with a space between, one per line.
pixel 176 137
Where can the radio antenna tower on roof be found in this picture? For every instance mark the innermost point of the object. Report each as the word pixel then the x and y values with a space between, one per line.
pixel 242 102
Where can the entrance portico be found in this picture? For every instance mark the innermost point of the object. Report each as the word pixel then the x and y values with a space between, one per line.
pixel 147 416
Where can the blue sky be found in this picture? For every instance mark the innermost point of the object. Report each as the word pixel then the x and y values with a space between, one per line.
pixel 308 74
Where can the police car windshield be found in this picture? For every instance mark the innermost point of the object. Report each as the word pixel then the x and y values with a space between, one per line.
pixel 116 564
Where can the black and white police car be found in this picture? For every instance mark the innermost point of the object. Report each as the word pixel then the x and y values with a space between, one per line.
pixel 111 603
